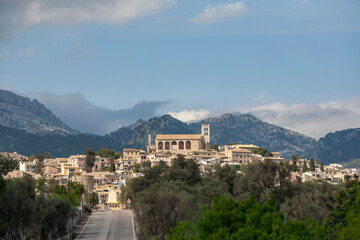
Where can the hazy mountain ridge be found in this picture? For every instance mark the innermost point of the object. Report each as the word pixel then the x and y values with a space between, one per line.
pixel 137 133
pixel 247 129
pixel 28 127
pixel 339 146
pixel 31 116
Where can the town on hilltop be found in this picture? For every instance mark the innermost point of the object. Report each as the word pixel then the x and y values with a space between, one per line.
pixel 108 174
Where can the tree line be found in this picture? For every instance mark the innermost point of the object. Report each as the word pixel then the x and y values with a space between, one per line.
pixel 35 209
pixel 260 202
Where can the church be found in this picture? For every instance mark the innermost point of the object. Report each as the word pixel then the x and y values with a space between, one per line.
pixel 182 143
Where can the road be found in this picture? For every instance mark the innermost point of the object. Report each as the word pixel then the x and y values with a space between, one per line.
pixel 109 224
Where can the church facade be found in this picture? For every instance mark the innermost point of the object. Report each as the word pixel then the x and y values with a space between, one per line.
pixel 183 143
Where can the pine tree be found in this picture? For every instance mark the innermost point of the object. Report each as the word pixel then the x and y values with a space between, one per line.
pixel 321 166
pixel 294 160
pixel 89 159
pixel 312 164
pixel 305 168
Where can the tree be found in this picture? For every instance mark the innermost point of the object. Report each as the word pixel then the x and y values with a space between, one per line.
pixel 262 151
pixel 305 168
pixel 17 202
pixel 26 214
pixel 47 155
pixel 108 153
pixel 112 165
pixel 227 175
pixel 185 170
pixel 93 198
pixel 294 159
pixel 50 217
pixel 315 195
pixel 89 159
pixel 76 191
pixel 344 220
pixel 312 165
pixel 215 147
pixel 39 167
pixel 7 165
pixel 262 179
pixel 162 205
pixel 136 167
pixel 321 167
pixel 244 220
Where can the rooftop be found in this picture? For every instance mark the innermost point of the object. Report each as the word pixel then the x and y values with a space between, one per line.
pixel 179 137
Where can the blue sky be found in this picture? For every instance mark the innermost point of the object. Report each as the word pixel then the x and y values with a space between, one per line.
pixel 292 63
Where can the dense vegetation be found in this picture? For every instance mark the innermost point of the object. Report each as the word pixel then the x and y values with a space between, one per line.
pixel 261 202
pixel 35 209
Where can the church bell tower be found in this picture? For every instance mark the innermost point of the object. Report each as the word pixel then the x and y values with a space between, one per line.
pixel 205 131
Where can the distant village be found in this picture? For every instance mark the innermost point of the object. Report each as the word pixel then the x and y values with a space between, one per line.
pixel 166 147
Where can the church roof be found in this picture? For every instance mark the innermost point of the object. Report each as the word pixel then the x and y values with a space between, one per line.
pixel 179 137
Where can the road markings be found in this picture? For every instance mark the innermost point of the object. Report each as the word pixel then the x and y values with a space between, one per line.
pixel 83 228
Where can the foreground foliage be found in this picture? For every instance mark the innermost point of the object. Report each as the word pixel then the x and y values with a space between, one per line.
pixel 35 209
pixel 248 219
pixel 24 213
pixel 260 202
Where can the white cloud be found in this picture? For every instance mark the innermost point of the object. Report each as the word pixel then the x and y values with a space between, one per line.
pixel 17 14
pixel 190 115
pixel 212 14
pixel 80 114
pixel 315 120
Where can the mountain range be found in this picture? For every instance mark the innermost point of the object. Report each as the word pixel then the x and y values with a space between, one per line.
pixel 28 127
pixel 21 113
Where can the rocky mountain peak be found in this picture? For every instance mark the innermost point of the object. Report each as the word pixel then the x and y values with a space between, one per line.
pixel 30 115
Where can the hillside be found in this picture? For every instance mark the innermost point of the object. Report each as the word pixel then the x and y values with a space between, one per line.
pixel 28 127
pixel 340 146
pixel 247 129
pixel 136 135
pixel 13 140
pixel 21 113
pixel 227 128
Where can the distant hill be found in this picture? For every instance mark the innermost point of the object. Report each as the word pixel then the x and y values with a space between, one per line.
pixel 13 140
pixel 136 135
pixel 247 129
pixel 28 127
pixel 340 146
pixel 21 113
pixel 227 128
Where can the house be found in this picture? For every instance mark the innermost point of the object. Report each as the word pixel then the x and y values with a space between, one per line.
pixel 27 166
pixel 134 154
pixel 239 155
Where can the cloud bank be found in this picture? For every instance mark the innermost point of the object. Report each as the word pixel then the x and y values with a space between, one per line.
pixel 76 111
pixel 190 115
pixel 212 14
pixel 18 14
pixel 315 120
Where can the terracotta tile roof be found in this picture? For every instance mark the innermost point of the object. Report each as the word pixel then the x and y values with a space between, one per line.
pixel 179 137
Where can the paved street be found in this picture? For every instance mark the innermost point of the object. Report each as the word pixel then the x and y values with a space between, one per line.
pixel 109 224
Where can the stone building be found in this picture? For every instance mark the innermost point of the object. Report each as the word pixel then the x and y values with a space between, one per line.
pixel 183 143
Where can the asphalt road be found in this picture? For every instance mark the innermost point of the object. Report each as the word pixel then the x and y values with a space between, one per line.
pixel 109 224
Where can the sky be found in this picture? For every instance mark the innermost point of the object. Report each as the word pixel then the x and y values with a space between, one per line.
pixel 100 65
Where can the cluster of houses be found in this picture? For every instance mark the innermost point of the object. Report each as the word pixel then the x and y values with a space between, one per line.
pixel 165 148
